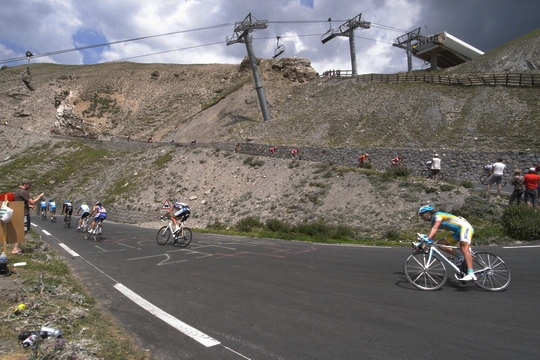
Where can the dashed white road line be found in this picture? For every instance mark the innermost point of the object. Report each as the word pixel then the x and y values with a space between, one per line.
pixel 71 252
pixel 168 318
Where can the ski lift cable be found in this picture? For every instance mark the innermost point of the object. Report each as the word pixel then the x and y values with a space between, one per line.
pixel 57 52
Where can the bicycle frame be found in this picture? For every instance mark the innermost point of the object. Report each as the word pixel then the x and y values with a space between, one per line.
pixel 433 248
pixel 180 231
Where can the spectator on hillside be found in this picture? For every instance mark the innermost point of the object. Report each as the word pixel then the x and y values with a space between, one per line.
pixel 435 166
pixel 497 177
pixel 272 151
pixel 294 153
pixel 531 180
pixel 519 184
pixel 236 147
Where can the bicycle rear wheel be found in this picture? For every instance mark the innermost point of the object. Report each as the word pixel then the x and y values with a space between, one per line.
pixel 185 240
pixel 84 226
pixel 492 273
pixel 425 174
pixel 163 235
pixel 98 231
pixel 483 179
pixel 87 233
pixel 440 176
pixel 425 272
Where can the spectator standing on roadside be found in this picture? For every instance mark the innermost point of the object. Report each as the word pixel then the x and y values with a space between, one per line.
pixel 22 194
pixel 531 188
pixel 519 184
pixel 496 178
pixel 435 166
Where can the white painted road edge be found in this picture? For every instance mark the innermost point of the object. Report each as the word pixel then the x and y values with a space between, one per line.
pixel 168 318
pixel 71 252
pixel 521 247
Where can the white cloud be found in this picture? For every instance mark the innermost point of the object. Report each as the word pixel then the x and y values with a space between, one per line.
pixel 43 26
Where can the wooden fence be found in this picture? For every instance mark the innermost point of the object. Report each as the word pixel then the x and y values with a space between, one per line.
pixel 501 79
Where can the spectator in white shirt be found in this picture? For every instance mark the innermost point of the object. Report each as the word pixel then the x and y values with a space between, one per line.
pixel 497 177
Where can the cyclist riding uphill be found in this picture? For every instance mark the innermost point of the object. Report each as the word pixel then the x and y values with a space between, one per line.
pixel 85 212
pixel 67 208
pixel 461 230
pixel 101 214
pixel 43 205
pixel 182 212
pixel 52 208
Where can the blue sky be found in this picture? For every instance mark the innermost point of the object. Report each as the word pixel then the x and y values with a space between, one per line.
pixel 198 29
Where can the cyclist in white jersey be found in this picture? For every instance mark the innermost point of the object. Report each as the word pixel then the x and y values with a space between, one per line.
pixel 85 211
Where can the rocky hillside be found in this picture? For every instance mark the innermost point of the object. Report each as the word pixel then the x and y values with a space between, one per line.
pixel 217 103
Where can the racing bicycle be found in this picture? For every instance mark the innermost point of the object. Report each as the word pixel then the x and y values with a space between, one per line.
pixel 181 237
pixel 425 268
pixel 67 221
pixel 485 179
pixel 426 173
pixel 96 233
pixel 43 214
pixel 84 225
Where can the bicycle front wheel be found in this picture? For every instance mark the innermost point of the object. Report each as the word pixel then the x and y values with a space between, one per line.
pixel 440 176
pixel 185 240
pixel 163 235
pixel 425 272
pixel 492 273
pixel 484 179
pixel 425 174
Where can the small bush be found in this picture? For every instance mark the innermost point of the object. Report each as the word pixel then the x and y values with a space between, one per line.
pixel 521 222
pixel 478 207
pixel 253 162
pixel 216 225
pixel 277 226
pixel 447 187
pixel 467 184
pixel 249 223
pixel 391 173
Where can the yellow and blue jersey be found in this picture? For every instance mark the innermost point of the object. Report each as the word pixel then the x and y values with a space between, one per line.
pixel 459 227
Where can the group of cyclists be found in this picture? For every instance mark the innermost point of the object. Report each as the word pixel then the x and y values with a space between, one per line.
pixel 98 211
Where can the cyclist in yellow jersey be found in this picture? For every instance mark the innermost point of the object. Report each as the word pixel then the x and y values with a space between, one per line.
pixel 461 231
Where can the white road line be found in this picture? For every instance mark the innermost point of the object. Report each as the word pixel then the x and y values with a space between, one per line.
pixel 71 252
pixel 168 318
pixel 46 232
pixel 521 247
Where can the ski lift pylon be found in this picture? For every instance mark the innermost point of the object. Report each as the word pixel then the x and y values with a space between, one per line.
pixel 280 48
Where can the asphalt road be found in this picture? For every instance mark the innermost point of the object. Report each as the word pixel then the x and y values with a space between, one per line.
pixel 228 297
